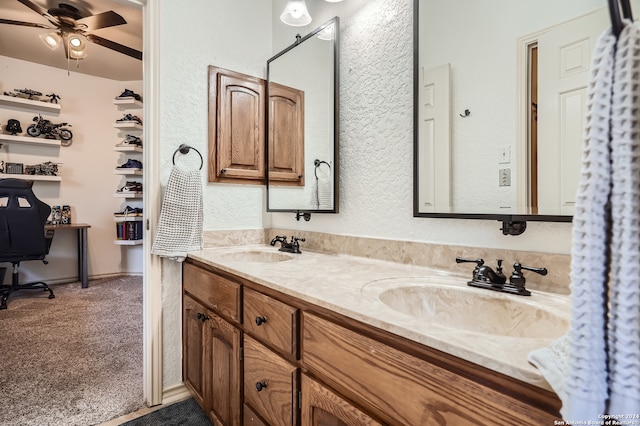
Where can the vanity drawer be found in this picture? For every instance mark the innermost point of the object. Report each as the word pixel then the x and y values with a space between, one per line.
pixel 217 293
pixel 270 384
pixel 403 389
pixel 273 322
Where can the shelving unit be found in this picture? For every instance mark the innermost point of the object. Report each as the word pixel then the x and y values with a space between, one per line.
pixel 15 101
pixel 37 106
pixel 32 177
pixel 29 140
pixel 125 225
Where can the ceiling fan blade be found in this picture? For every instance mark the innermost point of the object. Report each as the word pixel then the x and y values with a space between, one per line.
pixel 114 46
pixel 25 24
pixel 100 20
pixel 41 11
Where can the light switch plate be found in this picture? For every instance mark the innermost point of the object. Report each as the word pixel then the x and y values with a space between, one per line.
pixel 504 154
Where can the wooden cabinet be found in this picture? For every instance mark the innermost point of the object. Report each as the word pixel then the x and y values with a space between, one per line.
pixel 323 407
pixel 212 360
pixel 236 127
pixel 286 135
pixel 270 384
pixel 303 364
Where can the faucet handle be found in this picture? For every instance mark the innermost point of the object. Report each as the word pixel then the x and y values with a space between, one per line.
pixel 478 262
pixel 517 268
pixel 295 239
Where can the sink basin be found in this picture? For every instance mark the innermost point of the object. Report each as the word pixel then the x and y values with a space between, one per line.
pixel 471 310
pixel 256 256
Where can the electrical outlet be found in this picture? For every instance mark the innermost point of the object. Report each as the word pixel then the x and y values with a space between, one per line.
pixel 504 154
pixel 505 177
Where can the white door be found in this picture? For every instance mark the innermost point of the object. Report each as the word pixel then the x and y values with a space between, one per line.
pixel 434 140
pixel 564 59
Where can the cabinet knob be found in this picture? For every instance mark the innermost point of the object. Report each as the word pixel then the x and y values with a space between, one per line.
pixel 261 385
pixel 223 171
pixel 202 317
pixel 260 320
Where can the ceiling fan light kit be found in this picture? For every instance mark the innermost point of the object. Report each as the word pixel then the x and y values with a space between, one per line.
pixel 74 27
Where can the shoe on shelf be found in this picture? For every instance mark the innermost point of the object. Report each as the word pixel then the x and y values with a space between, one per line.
pixel 131 164
pixel 129 211
pixel 131 140
pixel 130 117
pixel 131 187
pixel 127 94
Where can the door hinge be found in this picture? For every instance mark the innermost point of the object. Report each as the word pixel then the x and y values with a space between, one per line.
pixel 241 353
pixel 299 400
pixel 147 224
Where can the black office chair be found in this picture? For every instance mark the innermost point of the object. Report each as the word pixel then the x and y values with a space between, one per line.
pixel 22 233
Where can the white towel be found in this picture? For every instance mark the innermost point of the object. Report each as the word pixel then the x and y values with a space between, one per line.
pixel 322 191
pixel 624 297
pixel 180 225
pixel 595 369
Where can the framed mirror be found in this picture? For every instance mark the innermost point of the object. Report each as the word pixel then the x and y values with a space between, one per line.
pixel 302 124
pixel 499 106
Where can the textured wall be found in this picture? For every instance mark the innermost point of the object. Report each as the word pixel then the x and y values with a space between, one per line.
pixel 195 34
pixel 376 137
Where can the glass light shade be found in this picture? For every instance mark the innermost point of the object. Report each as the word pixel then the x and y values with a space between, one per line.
pixel 77 54
pixel 51 40
pixel 296 14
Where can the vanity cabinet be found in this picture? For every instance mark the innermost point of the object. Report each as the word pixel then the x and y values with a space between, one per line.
pixel 290 362
pixel 212 344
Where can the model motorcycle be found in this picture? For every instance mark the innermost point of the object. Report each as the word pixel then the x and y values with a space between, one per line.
pixel 48 129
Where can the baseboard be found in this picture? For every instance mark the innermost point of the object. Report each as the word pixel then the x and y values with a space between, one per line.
pixel 91 277
pixel 174 394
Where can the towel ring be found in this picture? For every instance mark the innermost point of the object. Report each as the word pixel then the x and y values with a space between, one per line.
pixel 184 149
pixel 317 163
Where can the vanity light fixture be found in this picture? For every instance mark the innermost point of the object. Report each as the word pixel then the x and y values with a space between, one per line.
pixel 296 14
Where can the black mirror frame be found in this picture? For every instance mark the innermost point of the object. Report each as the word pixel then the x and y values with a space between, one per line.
pixel 306 213
pixel 513 224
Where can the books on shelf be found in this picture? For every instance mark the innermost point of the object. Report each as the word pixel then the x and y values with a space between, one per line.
pixel 131 230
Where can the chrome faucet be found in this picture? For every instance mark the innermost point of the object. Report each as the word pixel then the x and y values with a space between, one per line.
pixel 485 277
pixel 290 247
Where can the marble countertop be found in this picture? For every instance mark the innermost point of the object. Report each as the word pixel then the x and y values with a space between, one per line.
pixel 492 329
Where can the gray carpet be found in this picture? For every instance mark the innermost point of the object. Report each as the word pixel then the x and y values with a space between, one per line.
pixel 186 412
pixel 72 360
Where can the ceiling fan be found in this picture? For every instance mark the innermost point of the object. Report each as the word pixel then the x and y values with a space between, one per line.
pixel 73 27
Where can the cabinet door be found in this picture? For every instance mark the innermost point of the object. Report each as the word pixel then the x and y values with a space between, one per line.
pixel 222 353
pixel 236 126
pixel 286 135
pixel 193 367
pixel 322 407
pixel 270 384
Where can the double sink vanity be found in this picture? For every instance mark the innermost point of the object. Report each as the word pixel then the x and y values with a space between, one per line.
pixel 276 338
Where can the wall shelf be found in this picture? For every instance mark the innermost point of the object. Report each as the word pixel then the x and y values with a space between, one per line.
pixel 39 178
pixel 128 242
pixel 29 140
pixel 128 103
pixel 127 125
pixel 128 172
pixel 127 148
pixel 128 195
pixel 45 106
pixel 127 218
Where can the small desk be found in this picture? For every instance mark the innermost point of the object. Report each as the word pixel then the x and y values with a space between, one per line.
pixel 81 228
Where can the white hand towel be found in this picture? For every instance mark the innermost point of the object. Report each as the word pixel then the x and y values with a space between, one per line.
pixel 624 297
pixel 180 225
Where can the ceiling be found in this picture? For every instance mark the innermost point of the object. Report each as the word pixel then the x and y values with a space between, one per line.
pixel 24 43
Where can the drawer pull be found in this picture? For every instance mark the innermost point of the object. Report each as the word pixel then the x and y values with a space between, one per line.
pixel 260 320
pixel 261 385
pixel 202 317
